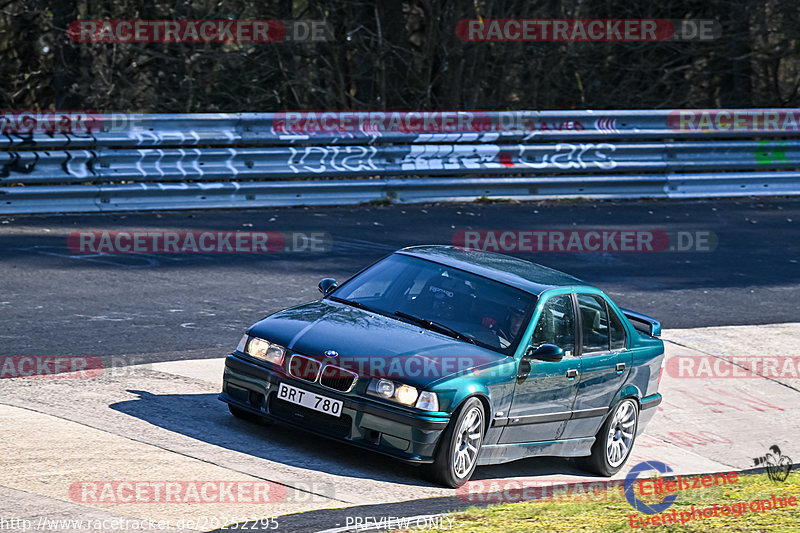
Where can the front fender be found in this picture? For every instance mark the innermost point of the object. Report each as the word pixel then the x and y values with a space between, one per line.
pixel 495 393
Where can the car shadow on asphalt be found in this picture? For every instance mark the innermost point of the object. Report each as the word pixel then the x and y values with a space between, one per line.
pixel 204 418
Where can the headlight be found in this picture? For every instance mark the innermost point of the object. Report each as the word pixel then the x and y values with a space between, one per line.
pixel 385 388
pixel 275 354
pixel 257 348
pixel 406 395
pixel 403 394
pixel 261 349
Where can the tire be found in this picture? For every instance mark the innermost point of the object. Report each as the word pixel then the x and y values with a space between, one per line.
pixel 614 441
pixel 247 416
pixel 457 454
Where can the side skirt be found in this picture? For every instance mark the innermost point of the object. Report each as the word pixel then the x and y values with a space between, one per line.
pixel 492 454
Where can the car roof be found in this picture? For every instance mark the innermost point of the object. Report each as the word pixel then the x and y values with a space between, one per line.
pixel 524 275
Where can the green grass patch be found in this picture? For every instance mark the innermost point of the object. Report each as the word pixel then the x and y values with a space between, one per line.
pixel 610 511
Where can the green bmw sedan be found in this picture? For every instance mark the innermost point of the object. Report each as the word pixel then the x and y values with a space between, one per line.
pixel 453 359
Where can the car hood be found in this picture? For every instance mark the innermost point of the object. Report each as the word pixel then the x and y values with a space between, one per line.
pixel 372 344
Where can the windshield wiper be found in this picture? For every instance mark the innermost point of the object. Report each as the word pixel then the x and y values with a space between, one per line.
pixel 353 303
pixel 432 324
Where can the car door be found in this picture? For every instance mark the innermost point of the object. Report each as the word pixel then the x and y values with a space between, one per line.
pixel 605 363
pixel 545 391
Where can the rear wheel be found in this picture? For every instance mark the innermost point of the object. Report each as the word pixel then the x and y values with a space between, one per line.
pixel 457 453
pixel 614 441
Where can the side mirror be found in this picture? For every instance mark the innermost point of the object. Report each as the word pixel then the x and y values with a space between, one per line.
pixel 546 352
pixel 327 285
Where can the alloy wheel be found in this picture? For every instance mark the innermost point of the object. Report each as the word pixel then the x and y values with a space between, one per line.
pixel 620 434
pixel 468 442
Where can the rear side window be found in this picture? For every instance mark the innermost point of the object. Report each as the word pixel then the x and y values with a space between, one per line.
pixel 594 324
pixel 618 338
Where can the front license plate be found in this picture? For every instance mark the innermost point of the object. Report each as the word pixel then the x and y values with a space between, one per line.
pixel 323 404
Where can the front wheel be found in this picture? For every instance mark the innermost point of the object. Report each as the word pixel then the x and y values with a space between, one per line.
pixel 614 441
pixel 457 454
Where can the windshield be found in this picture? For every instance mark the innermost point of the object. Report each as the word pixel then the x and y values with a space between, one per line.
pixel 445 299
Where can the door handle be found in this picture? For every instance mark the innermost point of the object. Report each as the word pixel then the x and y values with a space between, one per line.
pixel 572 373
pixel 620 367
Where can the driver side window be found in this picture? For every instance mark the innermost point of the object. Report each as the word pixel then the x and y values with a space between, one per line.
pixel 556 324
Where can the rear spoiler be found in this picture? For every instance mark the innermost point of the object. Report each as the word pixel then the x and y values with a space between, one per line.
pixel 646 324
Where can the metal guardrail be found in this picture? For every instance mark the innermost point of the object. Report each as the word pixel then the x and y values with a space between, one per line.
pixel 97 162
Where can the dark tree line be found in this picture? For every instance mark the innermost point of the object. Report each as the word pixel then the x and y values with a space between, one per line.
pixel 388 54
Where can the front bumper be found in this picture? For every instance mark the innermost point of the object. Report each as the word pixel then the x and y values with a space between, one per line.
pixel 254 388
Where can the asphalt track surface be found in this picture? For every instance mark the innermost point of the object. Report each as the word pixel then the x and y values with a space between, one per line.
pixel 157 307
pixel 177 315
